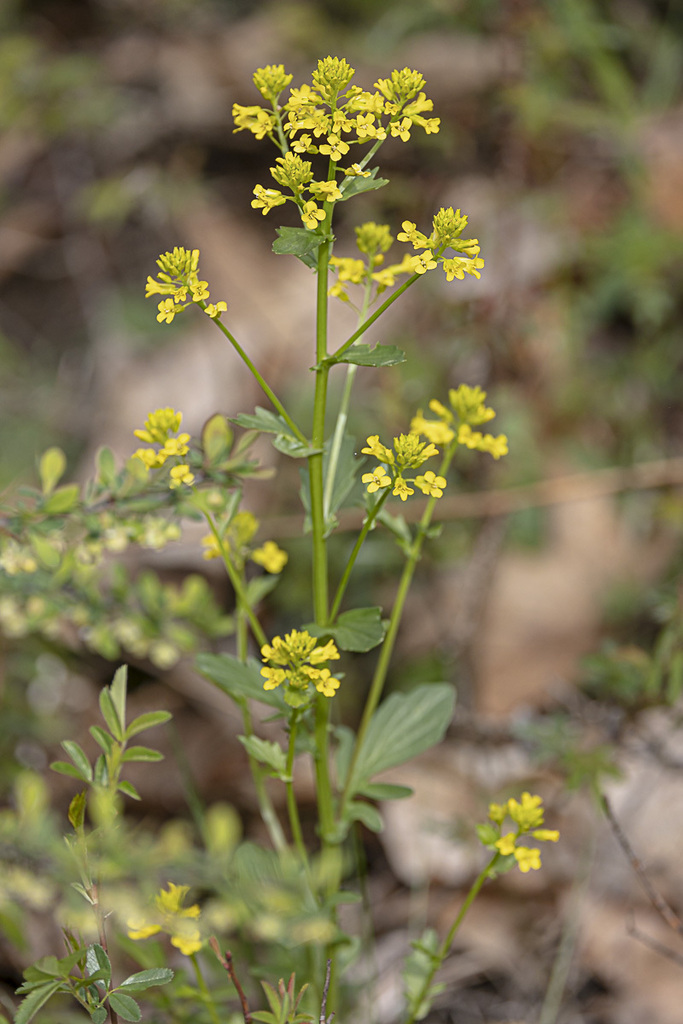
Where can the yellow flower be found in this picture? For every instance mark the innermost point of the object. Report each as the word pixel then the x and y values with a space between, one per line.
pixel 167 310
pixel 355 170
pixel 546 835
pixel 327 653
pixel 528 814
pixel 506 844
pixel 380 451
pixel 423 262
pixel 311 214
pixel 325 190
pixel 326 683
pixel 378 478
pixel 528 859
pixel 401 488
pixel 180 475
pixel 214 311
pixel 268 198
pixel 431 484
pixel 212 547
pixel 173 918
pixel 498 813
pixel 270 556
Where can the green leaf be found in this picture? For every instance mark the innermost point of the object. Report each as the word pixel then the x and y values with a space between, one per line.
pixel 238 679
pixel 358 184
pixel 290 445
pixel 142 754
pixel 488 834
pixel 405 725
pixel 76 812
pixel 380 355
pixel 47 555
pixel 51 469
pixel 261 419
pixel 129 789
pixel 97 963
pixel 79 759
pixel 385 791
pixel 147 721
pixel 366 814
pixel 109 714
pixel 266 752
pixel 125 1006
pixel 298 242
pixel 64 768
pixel 63 500
pixel 118 693
pixel 106 466
pixel 145 979
pixel 217 438
pixel 99 1015
pixel 82 891
pixel 33 1002
pixel 359 629
pixel 103 738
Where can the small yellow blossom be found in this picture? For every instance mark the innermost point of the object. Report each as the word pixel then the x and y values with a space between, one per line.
pixel 214 311
pixel 431 484
pixel 528 813
pixel 270 556
pixel 355 170
pixel 401 488
pixel 325 190
pixel 378 478
pixel 546 835
pixel 423 262
pixel 268 198
pixel 180 475
pixel 326 683
pixel 506 844
pixel 311 214
pixel 528 858
pixel 380 451
pixel 211 546
pixel 167 310
pixel 171 917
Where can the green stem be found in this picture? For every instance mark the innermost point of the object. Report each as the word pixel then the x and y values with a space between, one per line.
pixel 448 941
pixel 343 414
pixel 346 575
pixel 203 988
pixel 237 584
pixel 374 316
pixel 382 667
pixel 292 807
pixel 246 614
pixel 265 387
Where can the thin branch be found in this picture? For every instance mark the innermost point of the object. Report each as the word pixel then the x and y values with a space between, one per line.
pixel 654 945
pixel 226 962
pixel 656 899
pixel 324 1019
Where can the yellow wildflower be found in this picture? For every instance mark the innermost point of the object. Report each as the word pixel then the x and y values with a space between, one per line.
pixel 270 556
pixel 431 484
pixel 180 475
pixel 378 478
pixel 528 858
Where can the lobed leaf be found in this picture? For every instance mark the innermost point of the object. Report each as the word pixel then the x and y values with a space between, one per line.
pixel 238 679
pixel 405 725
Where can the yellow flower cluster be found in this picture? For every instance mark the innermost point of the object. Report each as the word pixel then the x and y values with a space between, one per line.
pixel 158 428
pixel 327 118
pixel 527 815
pixel 235 539
pixel 408 453
pixel 297 661
pixel 467 410
pixel 447 227
pixel 171 917
pixel 178 279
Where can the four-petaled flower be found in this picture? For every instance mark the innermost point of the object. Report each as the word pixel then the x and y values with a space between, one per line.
pixel 431 484
pixel 378 478
pixel 270 556
pixel 171 917
pixel 215 310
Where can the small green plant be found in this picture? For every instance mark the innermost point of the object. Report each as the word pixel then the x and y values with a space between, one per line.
pixel 277 902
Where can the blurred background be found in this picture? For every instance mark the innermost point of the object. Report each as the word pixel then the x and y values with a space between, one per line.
pixel 552 597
